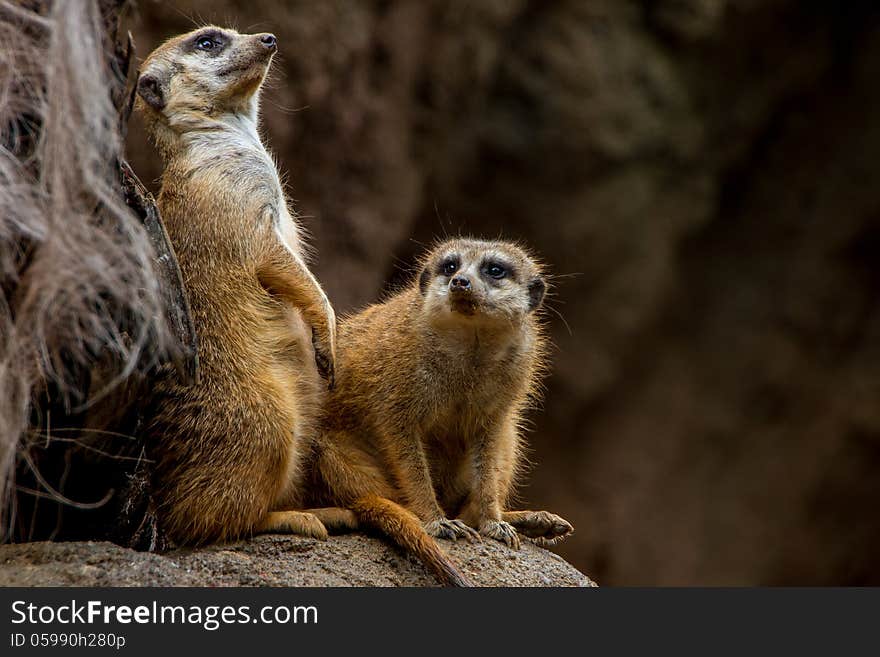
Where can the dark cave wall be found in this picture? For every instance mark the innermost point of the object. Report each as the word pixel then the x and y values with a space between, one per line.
pixel 699 176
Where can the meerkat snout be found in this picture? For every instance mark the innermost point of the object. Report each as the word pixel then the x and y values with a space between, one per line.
pixel 459 284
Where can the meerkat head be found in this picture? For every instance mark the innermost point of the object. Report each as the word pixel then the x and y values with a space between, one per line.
pixel 205 74
pixel 468 280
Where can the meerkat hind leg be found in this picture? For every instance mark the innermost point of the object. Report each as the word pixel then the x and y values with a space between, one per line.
pixel 538 524
pixel 301 523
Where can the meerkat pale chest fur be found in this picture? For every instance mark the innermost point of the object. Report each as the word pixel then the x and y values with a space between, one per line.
pixel 228 450
pixel 431 389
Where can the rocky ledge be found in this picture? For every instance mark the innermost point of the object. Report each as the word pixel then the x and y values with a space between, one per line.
pixel 273 560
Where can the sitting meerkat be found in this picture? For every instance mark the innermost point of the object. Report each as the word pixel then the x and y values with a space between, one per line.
pixel 427 411
pixel 228 450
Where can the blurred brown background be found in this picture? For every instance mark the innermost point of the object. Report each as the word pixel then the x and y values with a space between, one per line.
pixel 708 170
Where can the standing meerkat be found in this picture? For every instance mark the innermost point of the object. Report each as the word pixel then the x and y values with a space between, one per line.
pixel 228 450
pixel 428 409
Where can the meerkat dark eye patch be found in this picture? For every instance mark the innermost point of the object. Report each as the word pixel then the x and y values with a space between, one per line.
pixel 536 288
pixel 449 265
pixel 149 88
pixel 496 269
pixel 210 41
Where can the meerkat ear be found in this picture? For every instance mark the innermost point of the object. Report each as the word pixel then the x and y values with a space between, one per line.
pixel 424 279
pixel 537 287
pixel 149 88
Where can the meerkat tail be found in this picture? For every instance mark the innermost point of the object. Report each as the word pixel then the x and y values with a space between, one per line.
pixel 405 529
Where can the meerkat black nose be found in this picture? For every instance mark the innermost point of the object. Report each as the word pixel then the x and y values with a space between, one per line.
pixel 269 41
pixel 460 283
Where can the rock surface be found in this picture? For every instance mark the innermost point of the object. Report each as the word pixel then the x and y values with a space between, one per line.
pixel 352 560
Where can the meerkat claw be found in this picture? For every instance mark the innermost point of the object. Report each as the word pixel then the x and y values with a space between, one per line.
pixel 562 528
pixel 548 542
pixel 501 531
pixel 452 530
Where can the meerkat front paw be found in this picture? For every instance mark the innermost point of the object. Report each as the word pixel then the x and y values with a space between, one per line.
pixel 328 346
pixel 325 358
pixel 500 531
pixel 451 529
